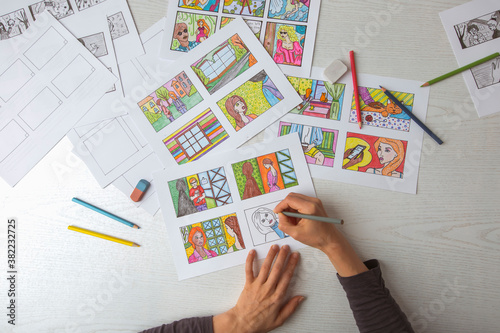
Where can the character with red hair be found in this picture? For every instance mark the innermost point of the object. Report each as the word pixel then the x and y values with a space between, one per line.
pixel 391 153
pixel 197 239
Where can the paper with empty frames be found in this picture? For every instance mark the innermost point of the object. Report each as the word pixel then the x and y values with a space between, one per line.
pixel 210 226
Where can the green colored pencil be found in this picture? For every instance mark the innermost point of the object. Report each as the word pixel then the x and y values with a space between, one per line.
pixel 461 69
pixel 313 217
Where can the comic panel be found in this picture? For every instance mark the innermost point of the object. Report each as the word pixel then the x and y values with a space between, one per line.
pixel 478 30
pixel 58 8
pixel 170 101
pixel 255 26
pixel 84 4
pixel 196 138
pixel 378 110
pixel 265 174
pixel 223 64
pixel 245 7
pixel 117 25
pixel 292 10
pixel 321 99
pixel 374 155
pixel 285 43
pixel 319 144
pixel 206 5
pixel 263 224
pixel 191 29
pixel 199 192
pixel 487 74
pixel 13 24
pixel 212 238
pixel 95 43
pixel 250 100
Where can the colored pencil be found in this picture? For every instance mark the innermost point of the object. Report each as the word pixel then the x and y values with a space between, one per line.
pixel 103 236
pixel 355 84
pixel 314 217
pixel 461 69
pixel 105 213
pixel 411 115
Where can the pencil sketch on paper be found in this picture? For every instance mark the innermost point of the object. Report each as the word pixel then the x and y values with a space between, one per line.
pixel 360 151
pixel 255 26
pixel 95 43
pixel 265 174
pixel 206 5
pixel 58 8
pixel 196 138
pixel 223 64
pixel 245 7
pixel 13 24
pixel 263 224
pixel 319 144
pixel 479 30
pixel 292 10
pixel 191 29
pixel 285 43
pixel 487 74
pixel 84 4
pixel 212 238
pixel 199 192
pixel 117 25
pixel 170 101
pixel 378 110
pixel 250 100
pixel 320 99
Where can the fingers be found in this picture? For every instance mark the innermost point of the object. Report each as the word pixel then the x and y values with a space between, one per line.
pixel 278 266
pixel 268 262
pixel 288 309
pixel 249 267
pixel 297 202
pixel 287 274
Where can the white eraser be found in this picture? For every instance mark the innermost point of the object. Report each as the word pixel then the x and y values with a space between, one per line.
pixel 333 72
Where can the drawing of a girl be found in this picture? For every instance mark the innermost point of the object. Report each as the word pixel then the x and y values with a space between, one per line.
pixel 179 105
pixel 288 49
pixel 165 110
pixel 237 108
pixel 203 30
pixel 391 154
pixel 266 222
pixel 272 175
pixel 251 186
pixel 233 229
pixel 184 205
pixel 197 239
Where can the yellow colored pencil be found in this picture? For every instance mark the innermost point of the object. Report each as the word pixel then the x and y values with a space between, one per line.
pixel 103 236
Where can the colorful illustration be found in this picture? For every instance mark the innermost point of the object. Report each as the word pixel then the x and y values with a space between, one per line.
pixel 244 7
pixel 319 144
pixel 200 192
pixel 378 110
pixel 374 155
pixel 196 138
pixel 263 224
pixel 292 10
pixel 321 99
pixel 479 30
pixel 265 174
pixel 285 43
pixel 255 26
pixel 250 100
pixel 170 101
pixel 212 238
pixel 223 64
pixel 13 24
pixel 84 4
pixel 487 74
pixel 58 8
pixel 207 5
pixel 191 29
pixel 117 25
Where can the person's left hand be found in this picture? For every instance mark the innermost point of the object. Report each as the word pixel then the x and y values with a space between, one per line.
pixel 262 306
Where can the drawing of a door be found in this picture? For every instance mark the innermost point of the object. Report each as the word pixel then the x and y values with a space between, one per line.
pixel 220 187
pixel 286 168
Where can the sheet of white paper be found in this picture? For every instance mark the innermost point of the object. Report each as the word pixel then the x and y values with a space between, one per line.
pixel 473 30
pixel 228 199
pixel 327 125
pixel 286 28
pixel 185 117
pixel 17 16
pixel 47 83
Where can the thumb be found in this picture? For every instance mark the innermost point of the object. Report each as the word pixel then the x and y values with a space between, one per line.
pixel 288 309
pixel 286 224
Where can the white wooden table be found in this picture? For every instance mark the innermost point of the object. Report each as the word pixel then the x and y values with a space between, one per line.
pixel 439 249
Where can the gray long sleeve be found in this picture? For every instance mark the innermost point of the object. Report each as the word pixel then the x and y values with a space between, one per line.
pixel 187 325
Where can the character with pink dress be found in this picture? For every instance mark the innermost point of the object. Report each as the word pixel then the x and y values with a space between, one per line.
pixel 288 49
pixel 272 175
pixel 203 31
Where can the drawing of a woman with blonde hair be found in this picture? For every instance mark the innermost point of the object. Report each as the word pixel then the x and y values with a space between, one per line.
pixel 288 49
pixel 197 239
pixel 391 154
pixel 203 31
pixel 237 108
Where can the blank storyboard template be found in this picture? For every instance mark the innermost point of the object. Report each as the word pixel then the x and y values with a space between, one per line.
pixel 218 209
pixel 48 81
pixel 17 16
pixel 214 99
pixel 384 154
pixel 473 30
pixel 286 28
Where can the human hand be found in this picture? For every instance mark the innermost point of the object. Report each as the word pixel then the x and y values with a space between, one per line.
pixel 355 160
pixel 262 306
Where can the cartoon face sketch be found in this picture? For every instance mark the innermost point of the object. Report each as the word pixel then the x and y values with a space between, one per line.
pixel 266 222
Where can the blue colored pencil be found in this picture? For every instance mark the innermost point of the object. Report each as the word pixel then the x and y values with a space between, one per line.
pixel 105 213
pixel 411 115
pixel 313 217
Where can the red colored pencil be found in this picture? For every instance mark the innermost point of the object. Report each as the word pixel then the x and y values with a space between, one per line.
pixel 355 84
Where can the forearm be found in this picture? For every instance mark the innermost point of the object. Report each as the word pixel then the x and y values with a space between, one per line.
pixel 343 257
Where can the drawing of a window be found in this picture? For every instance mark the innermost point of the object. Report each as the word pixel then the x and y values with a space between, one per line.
pixel 193 141
pixel 218 181
pixel 216 238
pixel 286 167
pixel 221 60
